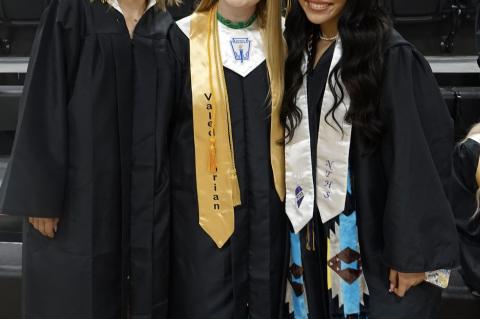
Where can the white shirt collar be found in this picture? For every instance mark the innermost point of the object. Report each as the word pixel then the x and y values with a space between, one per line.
pixel 116 5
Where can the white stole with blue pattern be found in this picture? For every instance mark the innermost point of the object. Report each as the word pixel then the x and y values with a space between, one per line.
pixel 333 148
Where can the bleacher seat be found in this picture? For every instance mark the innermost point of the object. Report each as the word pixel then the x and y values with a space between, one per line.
pixel 436 26
pixel 410 11
pixel 18 21
pixel 467 109
pixel 21 12
pixel 10 230
pixel 10 226
pixel 10 280
pixel 450 97
pixel 10 261
pixel 9 98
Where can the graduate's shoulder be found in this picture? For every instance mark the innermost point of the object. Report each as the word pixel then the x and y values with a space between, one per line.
pixel 465 163
pixel 400 53
pixel 69 12
pixel 74 6
pixel 397 43
pixel 469 148
pixel 395 39
pixel 178 37
pixel 155 24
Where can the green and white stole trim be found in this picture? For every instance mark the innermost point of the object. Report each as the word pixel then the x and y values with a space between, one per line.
pixel 333 148
pixel 241 49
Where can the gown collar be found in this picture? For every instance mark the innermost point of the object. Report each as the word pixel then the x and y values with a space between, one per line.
pixel 116 5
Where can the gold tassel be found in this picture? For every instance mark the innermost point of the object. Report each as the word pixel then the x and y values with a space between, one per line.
pixel 313 235
pixel 213 157
pixel 237 201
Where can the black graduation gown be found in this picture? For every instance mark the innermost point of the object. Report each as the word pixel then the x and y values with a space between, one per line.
pixel 244 279
pixel 464 203
pixel 405 221
pixel 90 150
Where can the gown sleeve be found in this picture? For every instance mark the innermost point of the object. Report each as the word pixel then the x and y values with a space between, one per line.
pixel 418 224
pixel 464 187
pixel 35 180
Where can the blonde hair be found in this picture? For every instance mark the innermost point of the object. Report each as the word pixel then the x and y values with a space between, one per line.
pixel 269 13
pixel 162 4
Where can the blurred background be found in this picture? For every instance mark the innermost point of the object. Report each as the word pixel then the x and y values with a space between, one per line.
pixel 447 32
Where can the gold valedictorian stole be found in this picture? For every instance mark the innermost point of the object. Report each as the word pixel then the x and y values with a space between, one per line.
pixel 217 183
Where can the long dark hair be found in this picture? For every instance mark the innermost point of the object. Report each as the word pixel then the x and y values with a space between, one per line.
pixel 364 29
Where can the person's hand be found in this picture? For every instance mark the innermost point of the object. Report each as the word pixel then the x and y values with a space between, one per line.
pixel 401 282
pixel 46 226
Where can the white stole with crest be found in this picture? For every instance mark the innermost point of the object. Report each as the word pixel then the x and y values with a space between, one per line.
pixel 333 148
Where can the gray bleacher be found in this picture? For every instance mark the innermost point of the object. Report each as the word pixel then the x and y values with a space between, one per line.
pixel 437 26
pixel 10 260
pixel 3 168
pixel 10 281
pixel 413 11
pixel 426 23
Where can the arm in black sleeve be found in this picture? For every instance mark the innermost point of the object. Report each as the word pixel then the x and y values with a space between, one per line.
pixel 418 225
pixel 36 178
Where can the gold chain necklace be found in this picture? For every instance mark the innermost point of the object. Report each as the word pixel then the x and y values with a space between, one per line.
pixel 329 39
